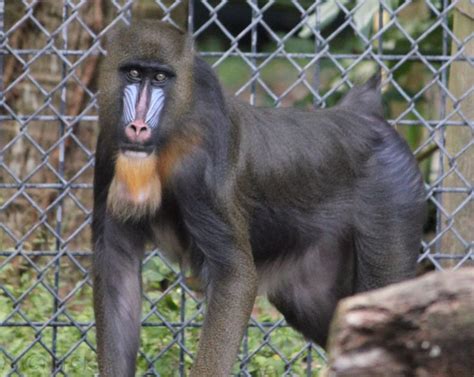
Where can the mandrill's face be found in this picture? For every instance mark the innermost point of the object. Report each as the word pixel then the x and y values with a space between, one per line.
pixel 145 89
pixel 149 84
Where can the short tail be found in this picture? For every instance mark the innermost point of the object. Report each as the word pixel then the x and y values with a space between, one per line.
pixel 365 99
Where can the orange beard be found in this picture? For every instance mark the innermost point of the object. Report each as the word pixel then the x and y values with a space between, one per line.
pixel 135 190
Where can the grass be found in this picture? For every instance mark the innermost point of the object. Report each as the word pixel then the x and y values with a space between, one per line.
pixel 27 349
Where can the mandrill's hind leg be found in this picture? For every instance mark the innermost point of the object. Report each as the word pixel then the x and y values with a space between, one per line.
pixel 306 289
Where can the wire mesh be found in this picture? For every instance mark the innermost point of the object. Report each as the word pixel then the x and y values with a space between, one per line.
pixel 304 53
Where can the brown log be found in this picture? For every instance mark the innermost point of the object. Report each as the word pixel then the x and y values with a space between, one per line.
pixel 422 327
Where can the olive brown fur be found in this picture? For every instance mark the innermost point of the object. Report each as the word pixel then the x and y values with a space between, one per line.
pixel 306 207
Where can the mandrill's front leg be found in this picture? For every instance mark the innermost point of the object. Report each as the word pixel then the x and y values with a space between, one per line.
pixel 230 300
pixel 230 276
pixel 117 297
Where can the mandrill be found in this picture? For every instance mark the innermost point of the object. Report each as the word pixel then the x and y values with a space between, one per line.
pixel 306 207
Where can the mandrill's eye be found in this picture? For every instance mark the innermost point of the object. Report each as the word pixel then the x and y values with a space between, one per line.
pixel 134 75
pixel 160 77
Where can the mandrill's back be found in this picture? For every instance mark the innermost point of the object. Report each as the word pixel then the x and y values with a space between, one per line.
pixel 334 145
pixel 313 173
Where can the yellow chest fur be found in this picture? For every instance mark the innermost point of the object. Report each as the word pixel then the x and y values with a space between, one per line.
pixel 136 187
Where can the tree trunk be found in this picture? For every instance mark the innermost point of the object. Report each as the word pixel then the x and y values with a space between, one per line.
pixel 422 327
pixel 459 224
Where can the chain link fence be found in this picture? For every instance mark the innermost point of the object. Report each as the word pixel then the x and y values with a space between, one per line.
pixel 273 52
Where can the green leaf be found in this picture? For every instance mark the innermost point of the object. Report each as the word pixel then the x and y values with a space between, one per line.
pixel 364 14
pixel 327 12
pixel 170 303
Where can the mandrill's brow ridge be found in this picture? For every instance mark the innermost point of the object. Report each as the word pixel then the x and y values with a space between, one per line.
pixel 155 65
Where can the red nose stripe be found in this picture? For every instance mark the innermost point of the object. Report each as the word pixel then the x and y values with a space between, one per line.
pixel 142 104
